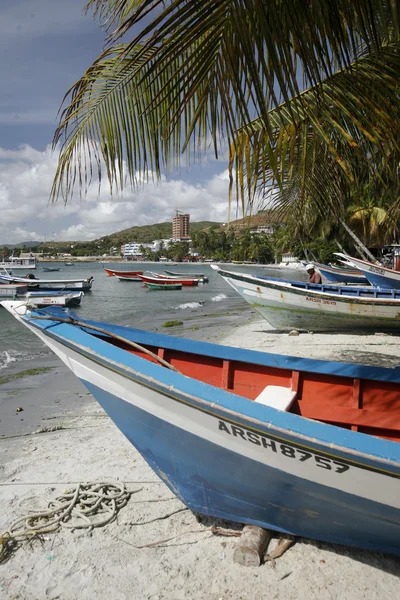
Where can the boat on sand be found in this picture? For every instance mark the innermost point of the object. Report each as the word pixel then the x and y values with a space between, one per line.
pixel 306 447
pixel 336 274
pixel 288 304
pixel 377 274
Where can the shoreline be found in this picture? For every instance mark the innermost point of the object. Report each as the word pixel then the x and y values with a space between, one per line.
pixel 193 566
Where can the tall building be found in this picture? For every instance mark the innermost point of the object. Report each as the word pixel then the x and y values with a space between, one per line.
pixel 180 226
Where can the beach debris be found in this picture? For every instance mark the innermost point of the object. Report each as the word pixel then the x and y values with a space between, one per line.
pixel 161 543
pixel 285 542
pixel 19 409
pixel 253 542
pixel 293 333
pixel 87 506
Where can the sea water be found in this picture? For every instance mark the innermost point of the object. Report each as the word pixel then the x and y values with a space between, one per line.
pixel 201 308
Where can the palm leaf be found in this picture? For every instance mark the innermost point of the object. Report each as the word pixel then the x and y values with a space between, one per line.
pixel 198 71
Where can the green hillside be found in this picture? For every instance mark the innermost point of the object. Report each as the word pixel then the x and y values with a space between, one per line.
pixel 148 233
pixel 141 234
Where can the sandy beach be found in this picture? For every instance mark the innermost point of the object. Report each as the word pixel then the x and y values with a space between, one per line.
pixel 108 563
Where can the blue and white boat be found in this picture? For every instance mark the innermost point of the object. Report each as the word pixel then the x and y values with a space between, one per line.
pixel 288 304
pixel 58 298
pixel 34 283
pixel 341 274
pixel 377 274
pixel 306 447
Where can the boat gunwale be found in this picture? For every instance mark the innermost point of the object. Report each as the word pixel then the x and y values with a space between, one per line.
pixel 320 434
pixel 390 272
pixel 289 285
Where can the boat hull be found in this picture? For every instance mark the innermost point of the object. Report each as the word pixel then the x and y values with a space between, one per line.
pixel 340 276
pixel 377 275
pixel 194 275
pixel 228 463
pixel 164 286
pixel 287 308
pixel 169 281
pixel 113 272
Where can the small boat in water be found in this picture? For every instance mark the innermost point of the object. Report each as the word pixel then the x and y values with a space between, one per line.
pixel 69 264
pixel 164 286
pixel 288 304
pixel 201 278
pixel 81 285
pixel 53 269
pixel 12 290
pixel 175 274
pixel 336 274
pixel 377 274
pixel 133 277
pixel 306 447
pixel 155 278
pixel 113 272
pixel 40 299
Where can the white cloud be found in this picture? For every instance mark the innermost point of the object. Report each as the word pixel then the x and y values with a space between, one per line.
pixel 26 177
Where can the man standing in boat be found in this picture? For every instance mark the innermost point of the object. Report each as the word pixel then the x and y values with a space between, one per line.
pixel 315 277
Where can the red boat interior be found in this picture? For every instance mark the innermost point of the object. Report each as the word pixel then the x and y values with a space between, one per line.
pixel 364 405
pixel 111 273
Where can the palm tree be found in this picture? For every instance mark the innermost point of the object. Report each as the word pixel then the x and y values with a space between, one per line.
pixel 303 93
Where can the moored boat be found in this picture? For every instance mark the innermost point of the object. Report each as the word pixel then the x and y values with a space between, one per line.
pixel 51 269
pixel 40 299
pixel 377 274
pixel 133 277
pixel 287 304
pixel 168 280
pixel 83 285
pixel 69 264
pixel 112 272
pixel 307 447
pixel 12 290
pixel 336 274
pixel 201 278
pixel 164 286
pixel 184 274
pixel 25 261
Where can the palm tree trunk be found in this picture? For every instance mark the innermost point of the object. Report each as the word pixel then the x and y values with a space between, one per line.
pixel 357 240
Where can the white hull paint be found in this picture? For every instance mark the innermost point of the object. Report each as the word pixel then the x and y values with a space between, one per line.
pixel 285 307
pixel 376 271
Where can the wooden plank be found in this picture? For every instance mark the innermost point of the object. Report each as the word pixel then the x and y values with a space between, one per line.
pixel 343 415
pixel 295 384
pixel 357 399
pixel 227 375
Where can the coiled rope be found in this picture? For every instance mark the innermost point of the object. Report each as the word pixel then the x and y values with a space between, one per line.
pixel 85 507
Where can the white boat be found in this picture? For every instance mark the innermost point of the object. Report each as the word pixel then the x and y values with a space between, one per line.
pixel 39 299
pixel 32 282
pixel 19 262
pixel 289 304
pixel 377 275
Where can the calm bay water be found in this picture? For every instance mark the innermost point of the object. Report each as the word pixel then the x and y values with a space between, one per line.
pixel 202 309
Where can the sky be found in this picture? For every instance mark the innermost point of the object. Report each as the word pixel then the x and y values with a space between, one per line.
pixel 45 46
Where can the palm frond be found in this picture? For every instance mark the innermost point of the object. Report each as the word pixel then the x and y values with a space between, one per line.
pixel 199 70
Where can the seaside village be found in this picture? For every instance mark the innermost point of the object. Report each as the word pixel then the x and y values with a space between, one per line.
pixel 206 407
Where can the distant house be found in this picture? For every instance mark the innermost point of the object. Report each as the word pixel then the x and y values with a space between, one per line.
pixel 289 257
